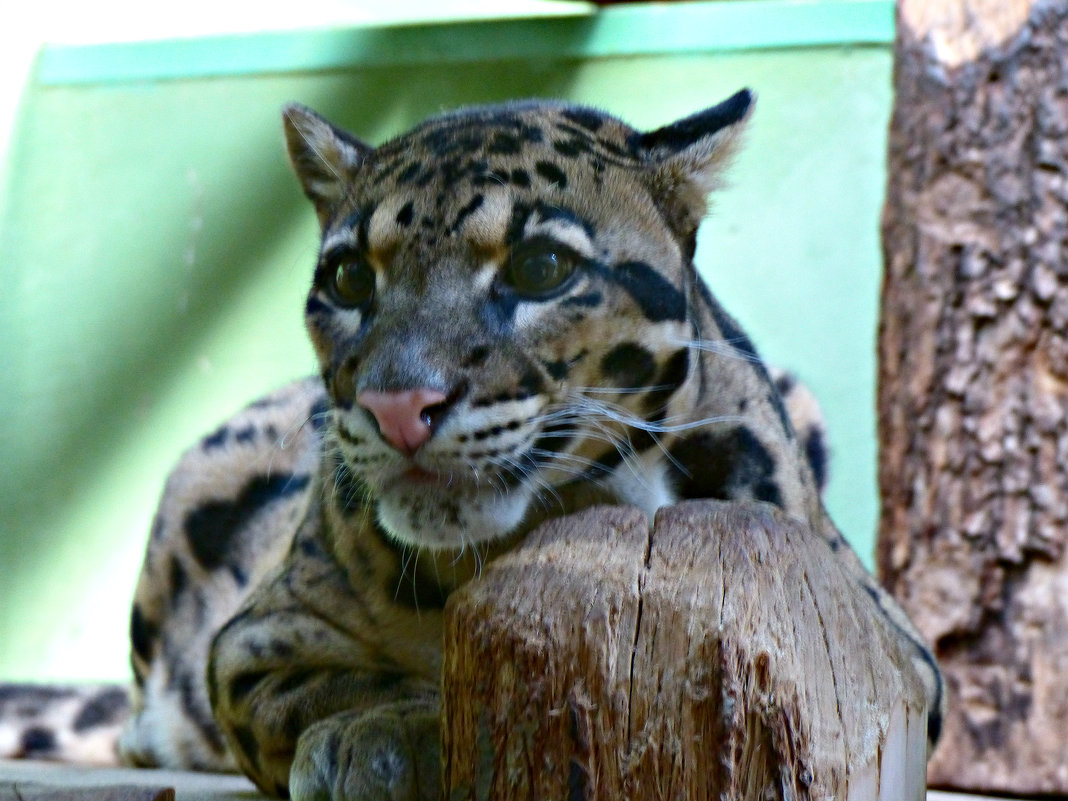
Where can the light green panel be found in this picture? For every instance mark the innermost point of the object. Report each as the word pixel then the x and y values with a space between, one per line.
pixel 155 254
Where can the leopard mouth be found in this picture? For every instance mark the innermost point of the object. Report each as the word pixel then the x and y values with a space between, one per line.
pixel 414 475
pixel 424 509
pixel 420 475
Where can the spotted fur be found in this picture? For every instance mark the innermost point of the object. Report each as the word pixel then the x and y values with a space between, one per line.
pixel 509 328
pixel 78 724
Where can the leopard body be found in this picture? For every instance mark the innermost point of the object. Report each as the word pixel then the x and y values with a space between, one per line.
pixel 509 328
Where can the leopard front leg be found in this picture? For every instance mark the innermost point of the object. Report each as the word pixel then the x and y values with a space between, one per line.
pixel 326 691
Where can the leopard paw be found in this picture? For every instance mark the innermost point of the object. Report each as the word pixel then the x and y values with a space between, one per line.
pixel 390 753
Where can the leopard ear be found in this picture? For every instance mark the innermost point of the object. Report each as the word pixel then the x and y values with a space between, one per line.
pixel 688 157
pixel 324 157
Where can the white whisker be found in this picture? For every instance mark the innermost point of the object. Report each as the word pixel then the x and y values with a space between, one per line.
pixel 721 347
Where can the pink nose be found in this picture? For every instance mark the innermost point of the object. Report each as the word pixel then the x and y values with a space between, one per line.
pixel 403 417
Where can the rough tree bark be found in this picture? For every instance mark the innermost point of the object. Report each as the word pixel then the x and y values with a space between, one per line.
pixel 725 654
pixel 973 377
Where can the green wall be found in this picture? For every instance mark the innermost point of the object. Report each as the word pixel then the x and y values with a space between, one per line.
pixel 155 251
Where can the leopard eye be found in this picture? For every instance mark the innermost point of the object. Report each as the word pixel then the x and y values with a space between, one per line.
pixel 352 284
pixel 538 272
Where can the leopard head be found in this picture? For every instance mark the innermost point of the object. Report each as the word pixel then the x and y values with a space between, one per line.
pixel 499 303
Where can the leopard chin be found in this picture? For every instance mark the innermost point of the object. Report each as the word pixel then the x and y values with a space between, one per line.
pixel 420 514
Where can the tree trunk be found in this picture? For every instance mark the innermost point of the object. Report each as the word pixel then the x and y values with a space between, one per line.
pixel 726 654
pixel 973 378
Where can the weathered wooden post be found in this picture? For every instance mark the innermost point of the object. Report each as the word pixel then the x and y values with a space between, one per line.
pixel 724 654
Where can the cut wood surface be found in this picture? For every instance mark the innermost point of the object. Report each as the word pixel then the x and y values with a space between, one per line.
pixel 973 378
pixel 726 653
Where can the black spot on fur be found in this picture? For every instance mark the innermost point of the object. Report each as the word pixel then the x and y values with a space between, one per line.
pixel 143 633
pixel 106 708
pixel 587 118
pixel 530 384
pixel 425 177
pixel 406 214
pixel 558 369
pixel 504 144
pixel 520 214
pixel 409 172
pixel 668 381
pixel 521 178
pixel 477 356
pixel 446 141
pixel 179 581
pixel 659 299
pixel 530 133
pixel 293 681
pixel 629 365
pixel 37 741
pixel 725 466
pixel 470 208
pixel 349 491
pixel 239 574
pixel 216 439
pixel 816 453
pixel 570 148
pixel 245 683
pixel 211 527
pixel 784 383
pixel 551 173
pixel 587 300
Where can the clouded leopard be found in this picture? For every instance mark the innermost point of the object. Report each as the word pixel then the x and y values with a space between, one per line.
pixel 509 327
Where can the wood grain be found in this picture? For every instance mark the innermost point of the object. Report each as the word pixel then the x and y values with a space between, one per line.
pixel 725 652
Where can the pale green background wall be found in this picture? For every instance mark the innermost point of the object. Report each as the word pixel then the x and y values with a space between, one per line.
pixel 154 253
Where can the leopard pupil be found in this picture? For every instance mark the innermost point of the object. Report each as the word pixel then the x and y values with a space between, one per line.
pixel 354 283
pixel 541 273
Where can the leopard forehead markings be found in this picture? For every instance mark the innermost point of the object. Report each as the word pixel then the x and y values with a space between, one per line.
pixel 469 175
